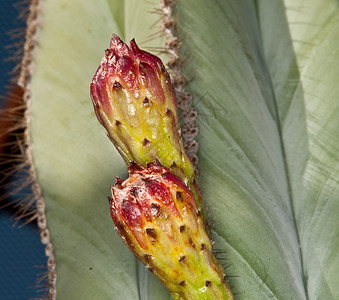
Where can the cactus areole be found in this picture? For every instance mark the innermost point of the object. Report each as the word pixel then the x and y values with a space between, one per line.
pixel 158 218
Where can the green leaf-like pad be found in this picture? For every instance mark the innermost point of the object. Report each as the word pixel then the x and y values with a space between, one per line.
pixel 265 87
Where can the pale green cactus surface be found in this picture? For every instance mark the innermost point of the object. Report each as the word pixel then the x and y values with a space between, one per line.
pixel 264 79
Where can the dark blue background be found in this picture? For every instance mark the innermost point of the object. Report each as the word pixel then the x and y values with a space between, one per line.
pixel 22 258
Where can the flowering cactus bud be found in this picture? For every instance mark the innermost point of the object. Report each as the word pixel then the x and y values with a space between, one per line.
pixel 158 218
pixel 134 100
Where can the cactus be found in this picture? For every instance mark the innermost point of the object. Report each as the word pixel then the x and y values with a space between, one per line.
pixel 262 83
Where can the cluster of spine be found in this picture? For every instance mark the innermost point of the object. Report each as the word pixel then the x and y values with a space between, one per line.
pixel 32 204
pixel 24 79
pixel 175 64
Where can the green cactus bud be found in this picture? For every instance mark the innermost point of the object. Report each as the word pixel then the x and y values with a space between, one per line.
pixel 158 218
pixel 134 100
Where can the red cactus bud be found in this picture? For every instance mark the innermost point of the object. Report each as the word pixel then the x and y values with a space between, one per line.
pixel 158 218
pixel 135 101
